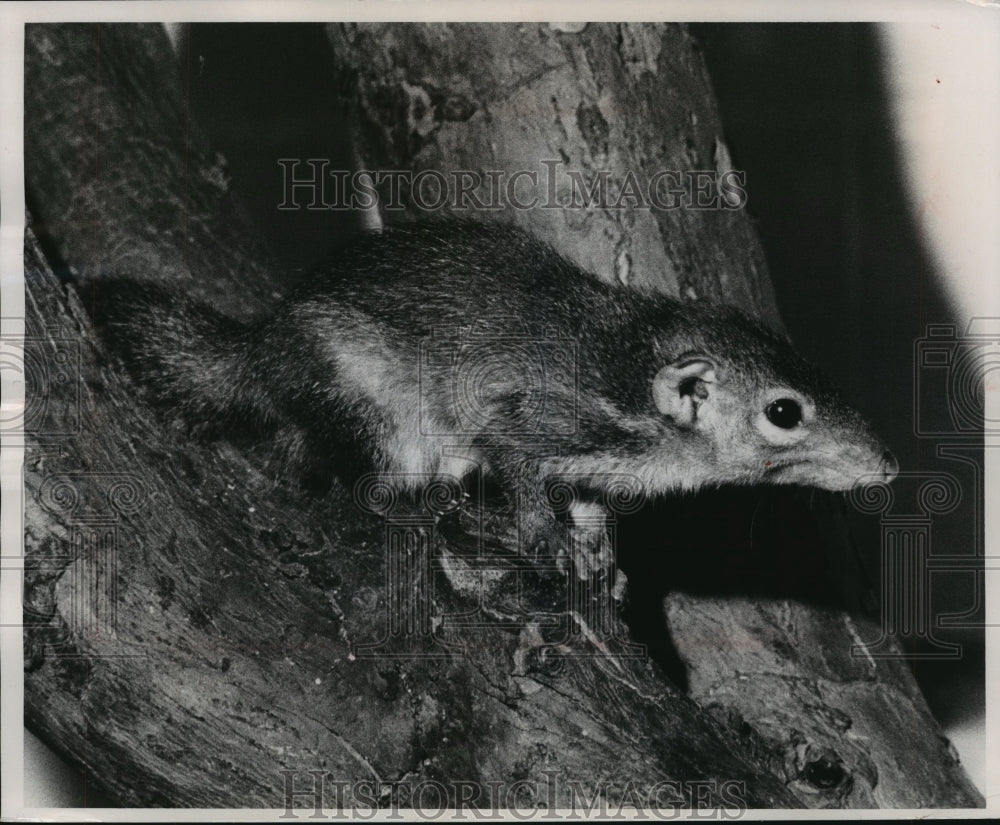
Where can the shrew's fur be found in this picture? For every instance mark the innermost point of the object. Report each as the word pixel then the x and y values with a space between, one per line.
pixel 430 349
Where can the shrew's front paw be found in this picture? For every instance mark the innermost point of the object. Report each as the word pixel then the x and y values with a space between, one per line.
pixel 542 537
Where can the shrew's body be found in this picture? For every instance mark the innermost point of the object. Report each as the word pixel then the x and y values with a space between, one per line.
pixel 427 350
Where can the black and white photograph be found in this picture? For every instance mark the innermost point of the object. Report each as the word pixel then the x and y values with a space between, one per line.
pixel 478 417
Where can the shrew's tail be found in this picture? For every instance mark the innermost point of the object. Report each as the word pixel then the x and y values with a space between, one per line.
pixel 190 358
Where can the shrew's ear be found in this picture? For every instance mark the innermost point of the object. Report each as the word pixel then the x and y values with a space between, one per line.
pixel 680 388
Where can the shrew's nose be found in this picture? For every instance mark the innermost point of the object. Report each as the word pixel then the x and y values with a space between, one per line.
pixel 889 466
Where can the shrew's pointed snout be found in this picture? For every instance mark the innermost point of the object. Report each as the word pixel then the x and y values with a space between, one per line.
pixel 888 466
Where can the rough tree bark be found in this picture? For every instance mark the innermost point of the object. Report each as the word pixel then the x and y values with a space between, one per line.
pixel 198 633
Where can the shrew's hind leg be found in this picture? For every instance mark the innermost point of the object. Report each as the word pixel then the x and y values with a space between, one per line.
pixel 333 441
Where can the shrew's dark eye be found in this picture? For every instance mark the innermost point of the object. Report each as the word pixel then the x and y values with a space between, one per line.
pixel 784 413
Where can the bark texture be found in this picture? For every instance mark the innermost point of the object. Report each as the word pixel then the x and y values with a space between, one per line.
pixel 200 634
